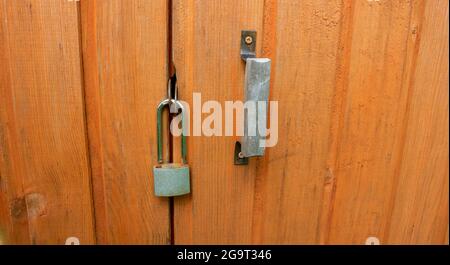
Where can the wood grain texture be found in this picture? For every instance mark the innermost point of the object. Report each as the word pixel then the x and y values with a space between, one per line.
pixel 362 146
pixel 290 177
pixel 125 65
pixel 420 208
pixel 45 192
pixel 206 39
pixel 275 199
pixel 370 146
pixel 373 149
pixel 363 122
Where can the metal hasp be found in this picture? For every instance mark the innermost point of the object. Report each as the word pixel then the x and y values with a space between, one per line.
pixel 256 91
pixel 248 44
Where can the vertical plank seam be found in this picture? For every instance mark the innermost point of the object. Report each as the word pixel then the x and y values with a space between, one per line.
pixel 93 116
pixel 86 133
pixel 170 72
pixel 269 50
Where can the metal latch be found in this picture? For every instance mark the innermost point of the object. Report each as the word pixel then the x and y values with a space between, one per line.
pixel 256 91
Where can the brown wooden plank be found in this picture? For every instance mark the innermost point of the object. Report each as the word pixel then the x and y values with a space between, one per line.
pixel 420 209
pixel 44 184
pixel 446 237
pixel 369 144
pixel 290 177
pixel 275 199
pixel 371 147
pixel 342 72
pixel 124 52
pixel 206 37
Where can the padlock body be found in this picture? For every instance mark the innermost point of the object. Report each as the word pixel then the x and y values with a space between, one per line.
pixel 171 180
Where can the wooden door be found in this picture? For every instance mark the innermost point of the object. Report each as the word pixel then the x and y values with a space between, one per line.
pixel 79 84
pixel 125 62
pixel 362 88
pixel 44 171
pixel 362 91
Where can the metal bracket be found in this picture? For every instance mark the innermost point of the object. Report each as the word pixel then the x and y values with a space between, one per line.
pixel 248 44
pixel 248 50
pixel 239 159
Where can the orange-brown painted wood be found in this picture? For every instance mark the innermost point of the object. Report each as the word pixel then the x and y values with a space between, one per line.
pixel 125 66
pixel 45 194
pixel 206 37
pixel 374 150
pixel 420 209
pixel 362 88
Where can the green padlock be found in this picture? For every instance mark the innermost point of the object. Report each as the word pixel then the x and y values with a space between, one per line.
pixel 171 179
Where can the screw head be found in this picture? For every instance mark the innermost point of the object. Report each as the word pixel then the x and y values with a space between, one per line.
pixel 248 40
pixel 241 155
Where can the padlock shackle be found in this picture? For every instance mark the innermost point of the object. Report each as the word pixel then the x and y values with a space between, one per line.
pixel 162 104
